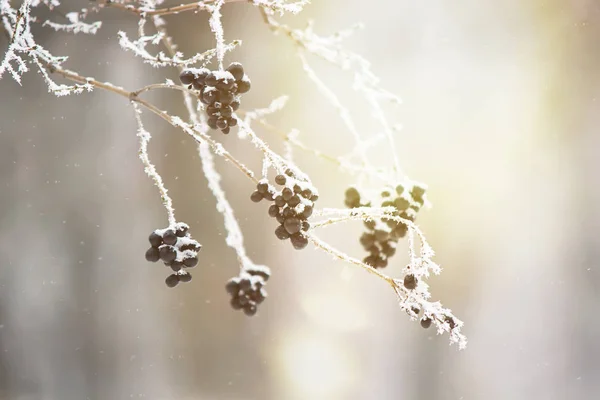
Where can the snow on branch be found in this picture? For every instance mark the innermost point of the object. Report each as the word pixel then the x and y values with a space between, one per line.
pixel 75 25
pixel 138 47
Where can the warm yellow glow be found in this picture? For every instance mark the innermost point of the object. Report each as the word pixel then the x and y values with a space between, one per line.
pixel 338 311
pixel 316 368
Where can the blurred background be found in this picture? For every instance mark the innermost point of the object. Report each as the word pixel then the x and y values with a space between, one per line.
pixel 499 119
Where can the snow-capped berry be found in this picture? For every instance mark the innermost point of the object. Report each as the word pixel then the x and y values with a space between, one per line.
pixel 210 79
pixel 155 239
pixel 167 253
pixel 450 321
pixel 152 254
pixel 298 241
pixel 262 187
pixel 410 282
pixel 425 322
pixel 282 233
pixel 225 84
pixel 209 96
pixel 187 77
pixel 256 196
pixel 172 280
pixel 185 277
pixel 190 262
pixel 181 229
pixel 243 85
pixel 169 237
pixel 236 69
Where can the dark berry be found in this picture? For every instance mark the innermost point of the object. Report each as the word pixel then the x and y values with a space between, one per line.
pixel 225 84
pixel 288 213
pixel 273 211
pixel 425 322
pixel 287 193
pixel 235 104
pixel 262 187
pixel 221 123
pixel 209 96
pixel 314 197
pixel 256 196
pixel 185 277
pixel 236 69
pixel 294 201
pixel 410 282
pixel 292 225
pixel 155 239
pixel 233 286
pixel 172 280
pixel 169 237
pixel 307 212
pixel 245 284
pixel 235 303
pixel 279 201
pixel 212 122
pixel 450 321
pixel 226 97
pixel 298 241
pixel 198 85
pixel 226 130
pixel 243 85
pixel 211 79
pixel 152 254
pixel 232 121
pixel 401 203
pixel 186 77
pixel 367 240
pixel 280 179
pixel 381 263
pixel 280 218
pixel 305 226
pixel 167 253
pixel 281 233
pixel 258 296
pixel 385 193
pixel 176 265
pixel 226 111
pixel 399 189
pixel 250 309
pixel 370 224
pixel 352 195
pixel 190 262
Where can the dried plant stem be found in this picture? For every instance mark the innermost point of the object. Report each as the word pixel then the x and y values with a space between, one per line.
pixel 142 12
pixel 197 135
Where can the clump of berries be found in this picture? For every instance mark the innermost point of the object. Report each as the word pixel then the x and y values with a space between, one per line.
pixel 291 207
pixel 219 91
pixel 177 250
pixel 248 289
pixel 382 235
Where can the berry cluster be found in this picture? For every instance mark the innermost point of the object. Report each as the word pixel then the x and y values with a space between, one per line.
pixel 292 206
pixel 382 235
pixel 247 290
pixel 176 248
pixel 219 91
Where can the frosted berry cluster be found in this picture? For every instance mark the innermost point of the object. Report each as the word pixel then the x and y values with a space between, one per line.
pixel 219 91
pixel 382 236
pixel 248 289
pixel 291 207
pixel 176 249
